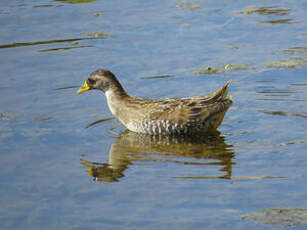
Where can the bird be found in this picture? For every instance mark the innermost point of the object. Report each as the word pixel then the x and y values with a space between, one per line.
pixel 165 116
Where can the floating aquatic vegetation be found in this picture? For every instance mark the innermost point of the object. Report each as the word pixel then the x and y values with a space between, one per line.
pixel 279 99
pixel 283 92
pixel 68 87
pixel 236 67
pixel 74 43
pixel 176 17
pixel 43 118
pixel 36 132
pixel 284 217
pixel 42 6
pixel 283 113
pixel 76 1
pixel 266 11
pixel 99 121
pixel 12 45
pixel 96 34
pixel 156 77
pixel 272 10
pixel 230 177
pixel 97 14
pixel 189 6
pixel 64 48
pixel 278 21
pixel 208 70
pixel 221 70
pixel 8 116
pixel 299 84
pixel 293 62
pixel 233 47
pixel 288 63
pixel 295 50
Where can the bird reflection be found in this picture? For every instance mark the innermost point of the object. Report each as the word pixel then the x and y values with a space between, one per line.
pixel 131 147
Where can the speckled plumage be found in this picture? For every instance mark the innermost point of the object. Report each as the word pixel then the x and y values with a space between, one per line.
pixel 161 116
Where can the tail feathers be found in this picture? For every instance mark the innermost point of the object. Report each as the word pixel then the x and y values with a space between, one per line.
pixel 222 93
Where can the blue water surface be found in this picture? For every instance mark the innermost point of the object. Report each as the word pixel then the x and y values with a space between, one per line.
pixel 57 174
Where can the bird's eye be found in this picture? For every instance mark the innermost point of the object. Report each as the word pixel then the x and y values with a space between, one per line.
pixel 91 81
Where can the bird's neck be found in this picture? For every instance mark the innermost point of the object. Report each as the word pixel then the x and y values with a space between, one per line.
pixel 116 98
pixel 116 94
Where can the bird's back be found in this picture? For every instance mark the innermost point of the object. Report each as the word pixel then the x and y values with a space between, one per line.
pixel 177 116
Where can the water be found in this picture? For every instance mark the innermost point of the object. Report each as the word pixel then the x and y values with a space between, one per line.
pixel 57 174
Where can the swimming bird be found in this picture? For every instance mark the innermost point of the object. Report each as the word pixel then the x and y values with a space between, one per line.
pixel 167 116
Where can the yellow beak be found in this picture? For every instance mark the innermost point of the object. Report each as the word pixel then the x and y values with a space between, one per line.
pixel 85 87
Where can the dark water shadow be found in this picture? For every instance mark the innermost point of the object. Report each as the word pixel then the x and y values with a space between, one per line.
pixel 132 148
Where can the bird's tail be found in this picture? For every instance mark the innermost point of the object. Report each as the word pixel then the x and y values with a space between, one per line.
pixel 222 93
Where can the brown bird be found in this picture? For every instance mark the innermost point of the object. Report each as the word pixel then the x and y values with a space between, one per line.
pixel 168 116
